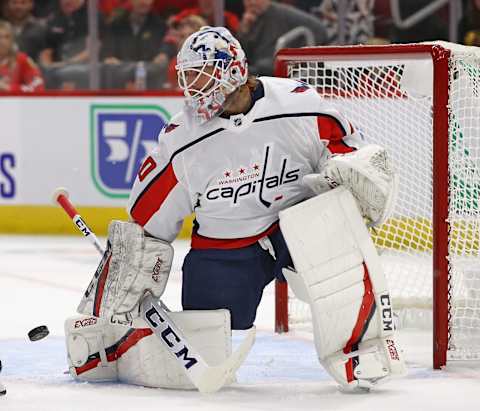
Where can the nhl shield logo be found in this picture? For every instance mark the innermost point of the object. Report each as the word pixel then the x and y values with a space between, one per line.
pixel 121 136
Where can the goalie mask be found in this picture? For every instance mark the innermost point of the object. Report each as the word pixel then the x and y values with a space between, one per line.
pixel 210 65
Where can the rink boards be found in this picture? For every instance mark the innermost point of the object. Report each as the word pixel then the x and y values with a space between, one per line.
pixel 91 144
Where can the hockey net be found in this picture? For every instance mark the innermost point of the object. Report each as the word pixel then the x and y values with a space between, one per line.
pixel 421 102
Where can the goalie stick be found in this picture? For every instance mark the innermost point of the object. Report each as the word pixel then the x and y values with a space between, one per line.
pixel 60 197
pixel 205 378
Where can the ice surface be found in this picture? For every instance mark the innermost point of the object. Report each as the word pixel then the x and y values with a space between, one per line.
pixel 42 280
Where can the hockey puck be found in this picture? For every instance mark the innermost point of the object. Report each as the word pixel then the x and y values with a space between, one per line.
pixel 3 390
pixel 38 333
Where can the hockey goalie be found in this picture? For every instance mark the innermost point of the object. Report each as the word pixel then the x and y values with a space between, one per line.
pixel 281 185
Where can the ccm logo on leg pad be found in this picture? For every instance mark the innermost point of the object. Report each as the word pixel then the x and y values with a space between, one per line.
pixel 387 312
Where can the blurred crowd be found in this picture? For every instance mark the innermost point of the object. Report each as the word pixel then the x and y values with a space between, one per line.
pixel 44 44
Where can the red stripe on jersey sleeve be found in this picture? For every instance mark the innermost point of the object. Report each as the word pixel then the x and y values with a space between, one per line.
pixel 152 198
pixel 330 129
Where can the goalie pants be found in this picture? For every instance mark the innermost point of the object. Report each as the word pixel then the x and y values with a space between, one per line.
pixel 232 278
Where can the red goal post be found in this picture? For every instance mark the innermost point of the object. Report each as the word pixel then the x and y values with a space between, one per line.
pixel 405 84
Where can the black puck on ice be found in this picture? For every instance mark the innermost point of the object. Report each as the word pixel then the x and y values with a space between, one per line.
pixel 3 390
pixel 38 333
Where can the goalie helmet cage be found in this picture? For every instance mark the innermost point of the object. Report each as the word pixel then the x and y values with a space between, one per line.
pixel 421 102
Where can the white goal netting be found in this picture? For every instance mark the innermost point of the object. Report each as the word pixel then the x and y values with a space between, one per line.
pixel 388 98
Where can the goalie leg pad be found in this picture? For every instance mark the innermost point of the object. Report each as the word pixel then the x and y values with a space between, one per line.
pixel 101 351
pixel 132 264
pixel 90 349
pixel 338 273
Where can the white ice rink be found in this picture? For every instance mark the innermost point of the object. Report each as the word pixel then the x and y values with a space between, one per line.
pixel 42 280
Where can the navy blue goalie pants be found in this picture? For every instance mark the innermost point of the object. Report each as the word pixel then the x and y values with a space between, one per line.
pixel 232 278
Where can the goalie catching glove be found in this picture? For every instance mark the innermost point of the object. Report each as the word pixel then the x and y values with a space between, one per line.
pixel 368 174
pixel 132 265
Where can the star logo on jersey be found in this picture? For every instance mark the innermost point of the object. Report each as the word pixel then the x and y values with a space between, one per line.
pixel 121 136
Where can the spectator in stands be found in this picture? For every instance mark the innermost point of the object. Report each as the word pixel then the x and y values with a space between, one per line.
pixel 178 33
pixel 136 35
pixel 45 9
pixel 29 32
pixel 263 22
pixel 206 9
pixel 167 8
pixel 111 9
pixel 18 72
pixel 66 38
pixel 359 19
pixel 429 29
pixel 305 5
pixel 236 6
pixel 469 25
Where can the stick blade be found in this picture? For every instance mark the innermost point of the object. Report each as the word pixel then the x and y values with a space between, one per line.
pixel 206 378
pixel 216 377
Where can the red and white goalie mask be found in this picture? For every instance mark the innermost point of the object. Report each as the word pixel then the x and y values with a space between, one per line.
pixel 210 65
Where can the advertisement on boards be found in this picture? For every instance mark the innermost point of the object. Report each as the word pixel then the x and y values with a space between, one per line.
pixel 121 136
pixel 91 145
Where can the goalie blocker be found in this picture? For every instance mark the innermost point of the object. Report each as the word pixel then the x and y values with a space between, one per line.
pixel 338 273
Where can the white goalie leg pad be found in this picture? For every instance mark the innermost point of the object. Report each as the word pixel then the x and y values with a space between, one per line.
pixel 150 364
pixel 132 265
pixel 136 356
pixel 88 339
pixel 339 274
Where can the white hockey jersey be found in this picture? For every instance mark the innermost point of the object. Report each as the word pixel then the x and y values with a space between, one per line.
pixel 237 173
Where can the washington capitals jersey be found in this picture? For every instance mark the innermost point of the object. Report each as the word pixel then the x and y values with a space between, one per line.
pixel 236 173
